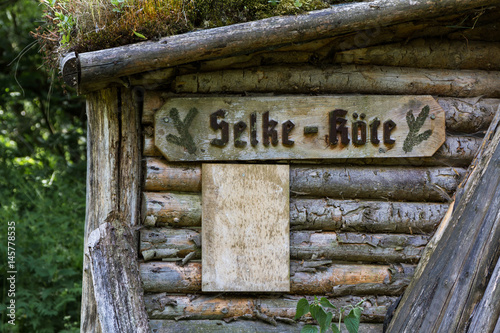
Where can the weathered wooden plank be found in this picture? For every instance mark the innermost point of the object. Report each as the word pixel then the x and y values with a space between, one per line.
pixel 389 183
pixel 184 210
pixel 245 227
pixel 202 307
pixel 386 183
pixel 298 127
pixel 246 37
pixel 427 53
pixel 342 79
pixel 239 326
pixel 162 176
pixel 454 278
pixel 304 245
pixel 307 277
pixel 487 313
pixel 115 274
pixel 463 115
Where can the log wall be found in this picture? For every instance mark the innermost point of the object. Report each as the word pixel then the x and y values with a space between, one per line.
pixel 358 227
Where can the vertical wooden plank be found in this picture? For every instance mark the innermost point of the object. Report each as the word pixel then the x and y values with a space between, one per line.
pixel 245 227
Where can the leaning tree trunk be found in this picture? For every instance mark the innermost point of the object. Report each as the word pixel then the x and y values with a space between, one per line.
pixel 445 293
pixel 113 182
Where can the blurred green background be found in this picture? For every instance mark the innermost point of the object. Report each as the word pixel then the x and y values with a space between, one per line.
pixel 42 179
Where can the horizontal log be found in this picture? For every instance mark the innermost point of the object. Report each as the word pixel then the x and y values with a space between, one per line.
pixel 203 307
pixel 367 216
pixel 387 183
pixel 307 278
pixel 176 209
pixel 468 115
pixel 239 326
pixel 463 115
pixel 427 53
pixel 246 37
pixel 163 176
pixel 343 79
pixel 184 210
pixel 173 244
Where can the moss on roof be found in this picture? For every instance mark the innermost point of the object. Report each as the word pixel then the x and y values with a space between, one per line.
pixel 89 25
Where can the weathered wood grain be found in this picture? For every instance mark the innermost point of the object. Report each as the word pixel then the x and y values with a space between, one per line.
pixel 307 278
pixel 385 183
pixel 463 115
pixel 275 128
pixel 457 272
pixel 246 37
pixel 184 210
pixel 245 228
pixel 487 313
pixel 115 275
pixel 250 326
pixel 304 245
pixel 213 307
pixel 343 79
pixel 113 180
pixel 427 53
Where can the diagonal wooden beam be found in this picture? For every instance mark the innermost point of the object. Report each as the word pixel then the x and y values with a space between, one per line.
pixel 443 296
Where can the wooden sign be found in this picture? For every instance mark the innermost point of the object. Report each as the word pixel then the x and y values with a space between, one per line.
pixel 298 127
pixel 245 227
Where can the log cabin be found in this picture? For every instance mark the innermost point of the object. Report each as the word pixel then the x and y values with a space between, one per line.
pixel 347 153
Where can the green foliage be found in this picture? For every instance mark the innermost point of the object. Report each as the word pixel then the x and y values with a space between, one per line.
pixel 324 318
pixel 42 181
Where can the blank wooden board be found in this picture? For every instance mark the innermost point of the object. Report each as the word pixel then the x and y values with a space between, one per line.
pixel 245 228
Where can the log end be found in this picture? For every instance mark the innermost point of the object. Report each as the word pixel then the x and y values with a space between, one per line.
pixel 70 69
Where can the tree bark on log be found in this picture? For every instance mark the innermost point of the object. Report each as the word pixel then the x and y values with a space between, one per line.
pixel 385 183
pixel 246 37
pixel 174 244
pixel 463 115
pixel 217 307
pixel 307 278
pixel 220 326
pixel 113 175
pixel 115 274
pixel 184 210
pixel 457 273
pixel 343 79
pixel 427 53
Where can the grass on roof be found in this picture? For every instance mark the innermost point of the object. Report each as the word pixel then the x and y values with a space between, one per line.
pixel 89 25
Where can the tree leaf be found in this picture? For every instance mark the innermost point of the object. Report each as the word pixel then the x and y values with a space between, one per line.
pixel 357 311
pixel 139 35
pixel 326 303
pixel 352 322
pixel 309 329
pixel 335 329
pixel 302 308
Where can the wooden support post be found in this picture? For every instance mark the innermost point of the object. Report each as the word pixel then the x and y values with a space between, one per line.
pixel 113 181
pixel 453 281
